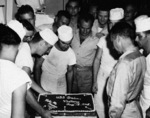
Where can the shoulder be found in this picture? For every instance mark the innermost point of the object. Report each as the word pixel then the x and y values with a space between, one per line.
pixel 132 56
pixel 24 47
pixel 95 22
pixel 102 41
pixel 70 51
pixel 94 38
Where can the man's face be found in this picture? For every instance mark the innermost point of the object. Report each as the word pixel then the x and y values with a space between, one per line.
pixel 64 45
pixel 29 17
pixel 62 21
pixel 44 48
pixel 73 8
pixel 28 36
pixel 103 17
pixel 141 39
pixel 93 11
pixel 85 28
pixel 129 13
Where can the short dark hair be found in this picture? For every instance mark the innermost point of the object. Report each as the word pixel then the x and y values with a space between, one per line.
pixel 69 1
pixel 93 4
pixel 130 3
pixel 63 13
pixel 86 17
pixel 27 25
pixel 123 29
pixel 23 10
pixel 37 37
pixel 8 36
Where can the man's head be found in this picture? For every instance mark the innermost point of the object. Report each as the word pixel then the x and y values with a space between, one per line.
pixel 18 28
pixel 29 30
pixel 9 42
pixel 25 12
pixel 116 15
pixel 143 32
pixel 130 11
pixel 103 16
pixel 93 10
pixel 73 7
pixel 123 36
pixel 62 18
pixel 43 41
pixel 65 35
pixel 85 25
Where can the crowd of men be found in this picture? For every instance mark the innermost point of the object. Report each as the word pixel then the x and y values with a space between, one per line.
pixel 103 51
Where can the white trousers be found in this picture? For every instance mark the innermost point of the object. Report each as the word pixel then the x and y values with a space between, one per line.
pixel 99 97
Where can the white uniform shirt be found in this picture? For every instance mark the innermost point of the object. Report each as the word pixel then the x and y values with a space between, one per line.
pixel 107 61
pixel 54 70
pixel 96 29
pixel 24 57
pixel 57 61
pixel 145 95
pixel 11 77
pixel 86 51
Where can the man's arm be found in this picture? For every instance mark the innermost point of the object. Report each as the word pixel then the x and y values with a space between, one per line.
pixel 69 78
pixel 34 85
pixel 18 102
pixel 38 70
pixel 96 65
pixel 99 35
pixel 36 106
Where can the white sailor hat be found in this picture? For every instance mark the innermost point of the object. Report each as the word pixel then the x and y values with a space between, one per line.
pixel 65 33
pixel 142 23
pixel 18 28
pixel 116 14
pixel 49 36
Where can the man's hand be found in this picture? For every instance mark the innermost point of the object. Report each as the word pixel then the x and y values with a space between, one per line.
pixel 99 35
pixel 47 114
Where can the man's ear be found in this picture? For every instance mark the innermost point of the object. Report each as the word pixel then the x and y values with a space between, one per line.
pixel 41 43
pixel 119 40
pixel 56 19
pixel 135 13
pixel 79 9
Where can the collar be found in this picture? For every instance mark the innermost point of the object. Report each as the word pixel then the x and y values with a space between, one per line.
pixel 128 52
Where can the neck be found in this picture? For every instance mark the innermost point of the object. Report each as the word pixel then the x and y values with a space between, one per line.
pixel 7 56
pixel 129 48
pixel 82 38
pixel 57 45
pixel 147 47
pixel 74 18
pixel 102 25
pixel 33 50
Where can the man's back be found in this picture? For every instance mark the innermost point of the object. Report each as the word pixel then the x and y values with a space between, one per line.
pixel 125 84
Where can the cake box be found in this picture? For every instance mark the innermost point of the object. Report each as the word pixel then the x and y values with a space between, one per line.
pixel 69 105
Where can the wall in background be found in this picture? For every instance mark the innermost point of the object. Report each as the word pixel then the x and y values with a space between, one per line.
pixel 53 6
pixel 2 11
